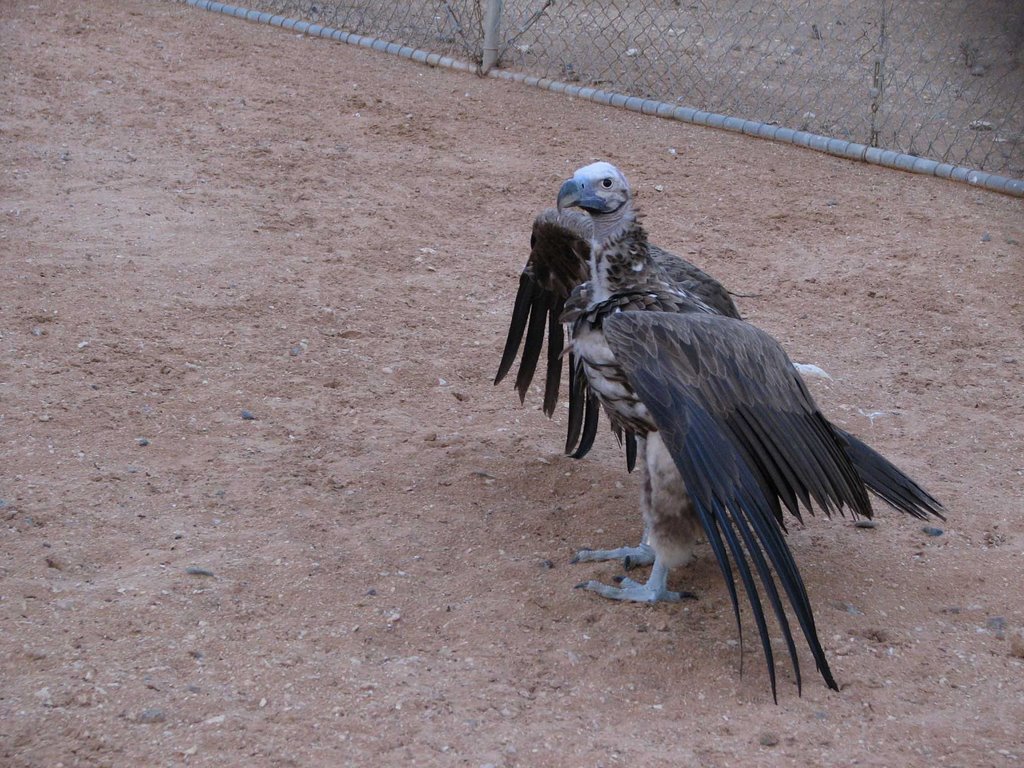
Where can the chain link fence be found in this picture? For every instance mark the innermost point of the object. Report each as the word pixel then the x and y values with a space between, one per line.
pixel 941 79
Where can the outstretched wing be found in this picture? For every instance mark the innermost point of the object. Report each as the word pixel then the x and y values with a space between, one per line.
pixel 747 439
pixel 559 248
pixel 559 254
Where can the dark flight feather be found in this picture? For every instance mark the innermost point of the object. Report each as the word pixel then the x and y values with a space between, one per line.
pixel 730 465
pixel 887 481
pixel 517 325
pixel 554 268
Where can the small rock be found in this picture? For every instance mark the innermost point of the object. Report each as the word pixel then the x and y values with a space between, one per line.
pixel 37 331
pixel 547 565
pixel 45 417
pixel 55 563
pixel 215 720
pixel 849 608
pixel 194 570
pixel 151 715
pixel 248 416
pixel 768 739
pixel 1017 644
pixel 865 524
pixel 142 441
pixel 986 237
pixel 996 625
pixel 931 530
pixel 371 592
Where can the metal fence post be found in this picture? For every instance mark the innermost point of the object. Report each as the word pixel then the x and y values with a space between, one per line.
pixel 492 34
pixel 878 78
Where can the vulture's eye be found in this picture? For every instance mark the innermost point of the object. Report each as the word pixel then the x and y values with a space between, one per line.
pixel 606 183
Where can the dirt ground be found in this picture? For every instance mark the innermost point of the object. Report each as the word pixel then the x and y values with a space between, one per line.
pixel 262 505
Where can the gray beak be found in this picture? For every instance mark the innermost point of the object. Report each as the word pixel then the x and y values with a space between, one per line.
pixel 569 195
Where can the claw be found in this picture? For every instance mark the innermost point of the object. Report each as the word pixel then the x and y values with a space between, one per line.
pixel 581 556
pixel 644 557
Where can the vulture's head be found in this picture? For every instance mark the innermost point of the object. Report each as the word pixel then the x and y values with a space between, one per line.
pixel 598 188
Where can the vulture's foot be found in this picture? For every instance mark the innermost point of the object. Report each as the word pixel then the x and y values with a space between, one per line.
pixel 654 591
pixel 631 557
pixel 635 592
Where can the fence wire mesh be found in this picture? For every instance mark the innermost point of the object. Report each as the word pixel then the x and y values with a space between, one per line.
pixel 942 79
pixel 451 27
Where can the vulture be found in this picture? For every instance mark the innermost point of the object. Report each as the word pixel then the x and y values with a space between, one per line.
pixel 559 253
pixel 725 432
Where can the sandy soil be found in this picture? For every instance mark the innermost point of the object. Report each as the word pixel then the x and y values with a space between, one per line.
pixel 263 507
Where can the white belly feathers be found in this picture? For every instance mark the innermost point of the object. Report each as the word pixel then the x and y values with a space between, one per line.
pixel 606 378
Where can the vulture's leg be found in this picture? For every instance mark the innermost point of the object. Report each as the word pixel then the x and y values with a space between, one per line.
pixel 631 557
pixel 671 528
